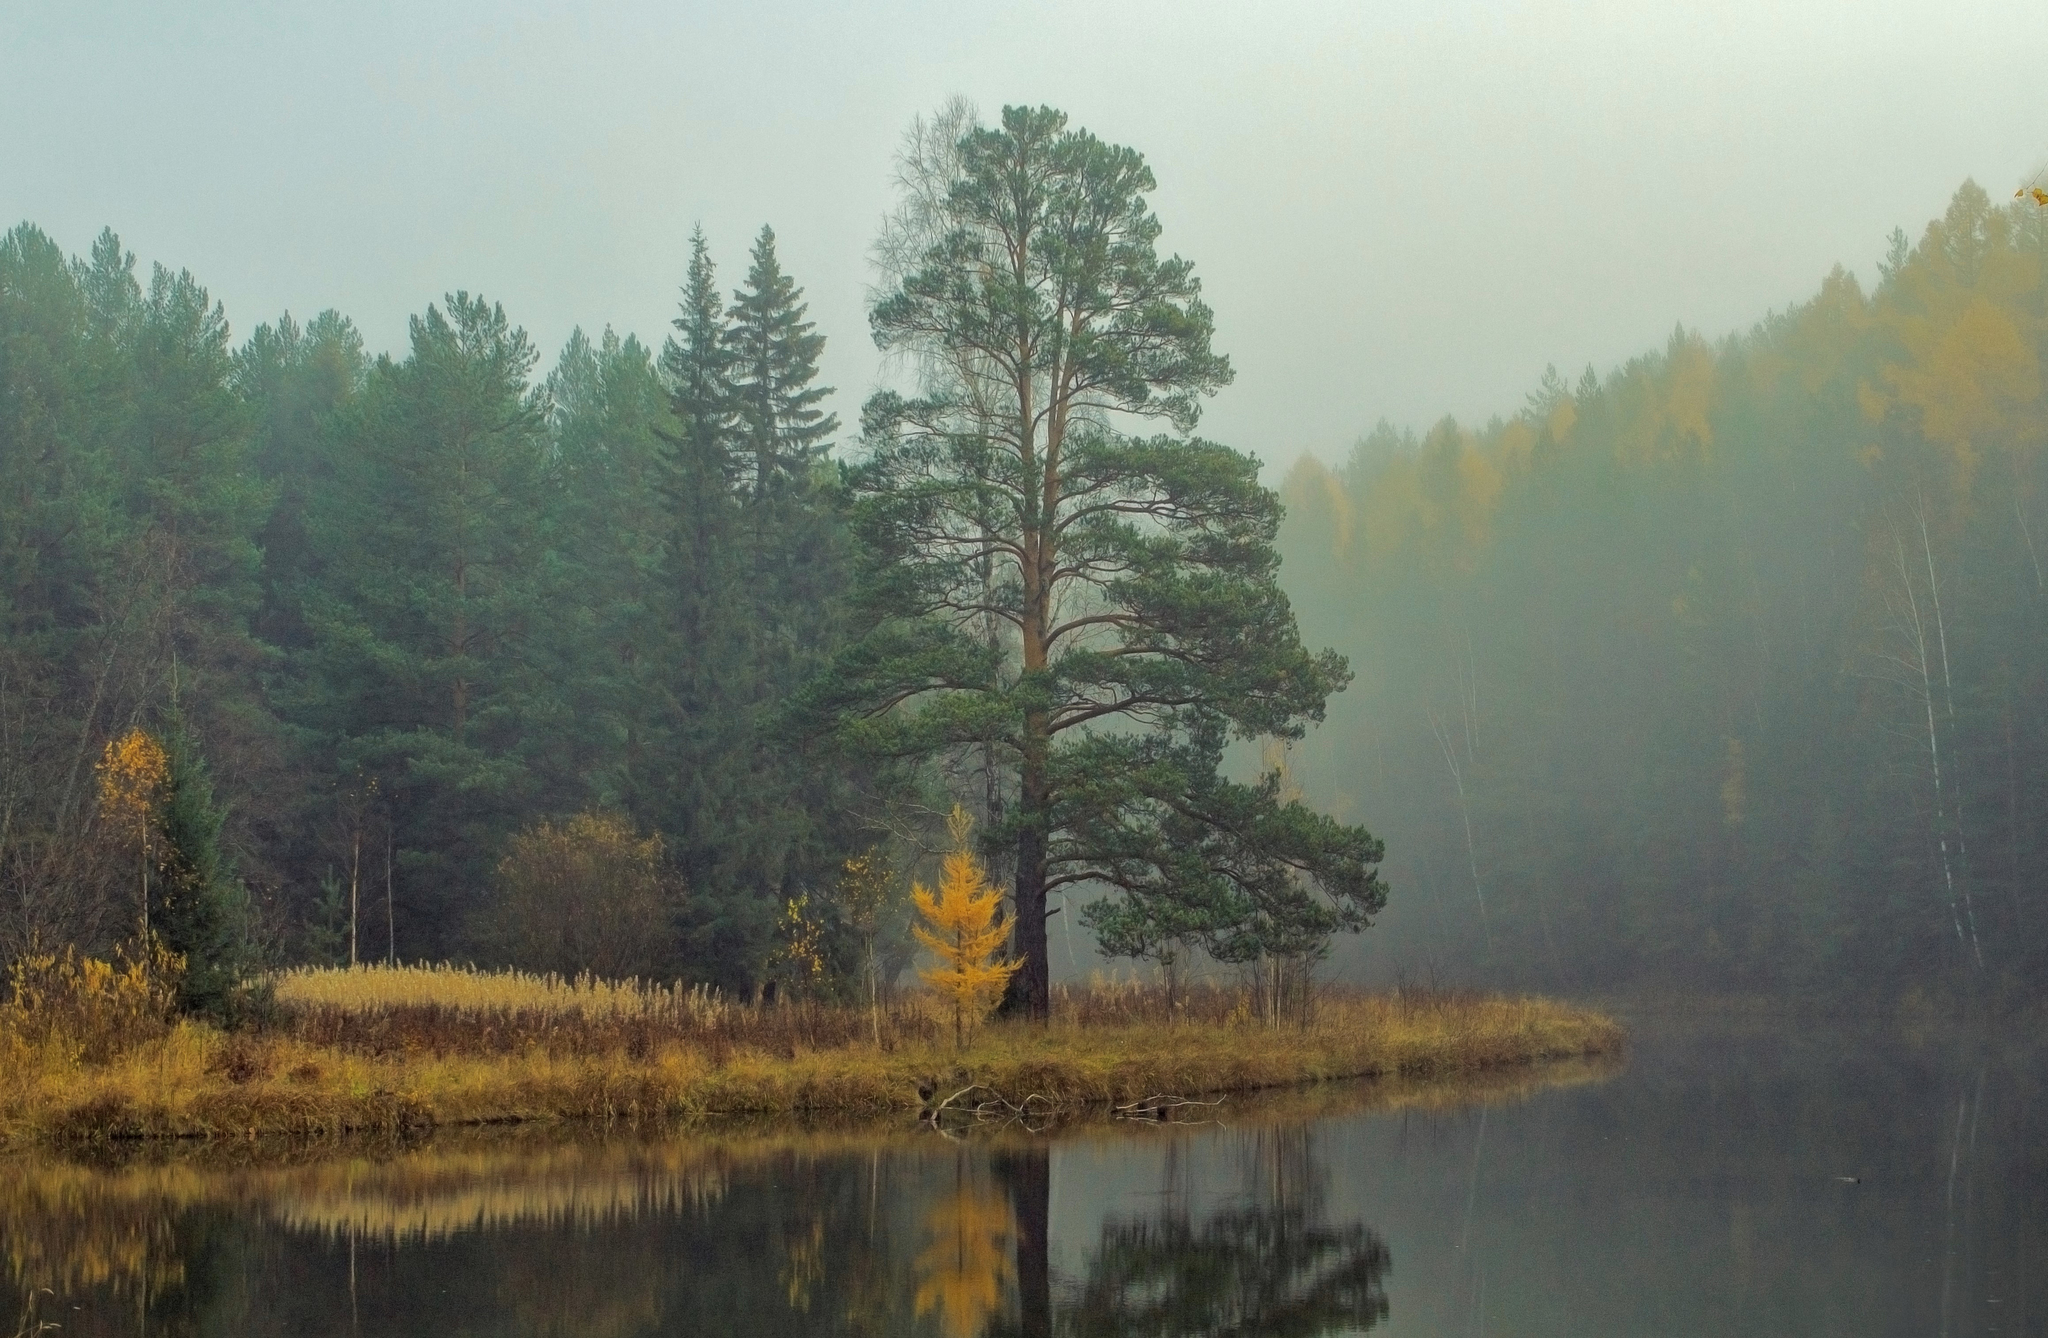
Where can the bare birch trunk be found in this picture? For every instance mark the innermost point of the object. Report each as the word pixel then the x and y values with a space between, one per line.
pixel 1955 770
pixel 390 915
pixel 1917 628
pixel 1450 756
pixel 355 867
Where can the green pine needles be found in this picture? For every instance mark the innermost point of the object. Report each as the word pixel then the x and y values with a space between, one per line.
pixel 1083 609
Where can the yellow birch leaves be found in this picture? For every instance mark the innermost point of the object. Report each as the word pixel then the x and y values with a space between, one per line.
pixel 133 772
pixel 964 931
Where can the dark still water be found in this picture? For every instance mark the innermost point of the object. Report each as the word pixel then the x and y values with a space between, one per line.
pixel 1702 1188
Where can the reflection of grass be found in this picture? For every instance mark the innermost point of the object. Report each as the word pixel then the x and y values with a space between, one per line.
pixel 542 1057
pixel 77 1227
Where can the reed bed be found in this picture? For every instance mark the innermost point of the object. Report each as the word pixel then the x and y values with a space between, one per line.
pixel 371 988
pixel 446 1010
pixel 408 1049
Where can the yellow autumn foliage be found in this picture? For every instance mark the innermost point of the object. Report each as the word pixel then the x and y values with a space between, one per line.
pixel 966 1263
pixel 966 932
pixel 67 1009
pixel 133 771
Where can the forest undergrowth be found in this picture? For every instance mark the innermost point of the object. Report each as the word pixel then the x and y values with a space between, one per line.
pixel 405 1048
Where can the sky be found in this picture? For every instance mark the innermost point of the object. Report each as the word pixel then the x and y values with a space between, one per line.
pixel 1398 210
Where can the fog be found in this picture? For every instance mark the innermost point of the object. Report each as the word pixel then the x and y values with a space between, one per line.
pixel 1398 210
pixel 1655 398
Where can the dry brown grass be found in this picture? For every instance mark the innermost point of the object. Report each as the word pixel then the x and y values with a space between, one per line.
pixel 73 1226
pixel 445 1011
pixel 410 1049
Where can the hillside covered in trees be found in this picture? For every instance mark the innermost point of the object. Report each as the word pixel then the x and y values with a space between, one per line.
pixel 1724 670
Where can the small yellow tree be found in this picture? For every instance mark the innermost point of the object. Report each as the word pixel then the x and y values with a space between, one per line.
pixel 134 770
pixel 802 949
pixel 964 931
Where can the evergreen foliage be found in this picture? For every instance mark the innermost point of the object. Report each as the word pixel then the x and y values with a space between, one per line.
pixel 200 908
pixel 1088 613
pixel 1722 669
pixel 420 673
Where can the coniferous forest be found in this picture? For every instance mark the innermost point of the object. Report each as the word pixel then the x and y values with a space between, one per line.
pixel 405 605
pixel 1722 669
pixel 618 665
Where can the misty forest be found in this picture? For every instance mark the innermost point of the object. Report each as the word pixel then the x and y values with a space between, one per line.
pixel 941 774
pixel 1722 669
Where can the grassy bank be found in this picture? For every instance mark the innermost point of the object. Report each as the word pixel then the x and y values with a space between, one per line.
pixel 414 1049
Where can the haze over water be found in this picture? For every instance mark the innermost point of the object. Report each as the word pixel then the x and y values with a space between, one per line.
pixel 1702 658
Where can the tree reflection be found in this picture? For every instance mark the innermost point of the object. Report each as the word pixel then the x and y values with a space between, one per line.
pixel 1269 1266
pixel 965 1268
pixel 1253 1271
pixel 772 1235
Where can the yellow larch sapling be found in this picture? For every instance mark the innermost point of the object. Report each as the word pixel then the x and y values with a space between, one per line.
pixel 965 932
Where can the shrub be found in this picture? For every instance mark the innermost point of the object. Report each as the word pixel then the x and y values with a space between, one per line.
pixel 586 896
pixel 88 1010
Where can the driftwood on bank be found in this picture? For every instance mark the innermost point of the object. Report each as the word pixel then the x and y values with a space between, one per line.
pixel 983 1104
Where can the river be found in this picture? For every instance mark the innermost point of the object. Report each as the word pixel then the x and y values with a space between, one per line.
pixel 1756 1178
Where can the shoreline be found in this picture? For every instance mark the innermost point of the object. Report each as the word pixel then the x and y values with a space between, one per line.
pixel 196 1082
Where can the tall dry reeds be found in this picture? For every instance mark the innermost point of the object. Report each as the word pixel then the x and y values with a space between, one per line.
pixel 396 1050
pixel 449 1010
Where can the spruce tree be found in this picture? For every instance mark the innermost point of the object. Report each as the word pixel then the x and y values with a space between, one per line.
pixel 756 551
pixel 693 780
pixel 430 589
pixel 774 361
pixel 201 909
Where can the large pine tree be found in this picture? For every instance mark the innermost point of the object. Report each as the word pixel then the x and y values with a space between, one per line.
pixel 1130 580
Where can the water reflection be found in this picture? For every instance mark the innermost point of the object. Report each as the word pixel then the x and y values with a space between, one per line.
pixel 764 1234
pixel 1723 1184
pixel 965 1270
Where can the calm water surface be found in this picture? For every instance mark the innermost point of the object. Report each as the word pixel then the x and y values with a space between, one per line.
pixel 1724 1181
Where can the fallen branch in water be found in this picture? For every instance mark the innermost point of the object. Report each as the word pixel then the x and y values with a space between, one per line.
pixel 994 1105
pixel 984 1103
pixel 1161 1108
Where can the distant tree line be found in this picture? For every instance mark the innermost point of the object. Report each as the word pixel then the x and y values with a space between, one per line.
pixel 1728 669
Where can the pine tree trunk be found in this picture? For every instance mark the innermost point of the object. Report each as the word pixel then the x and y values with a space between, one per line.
pixel 1028 1175
pixel 1030 989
